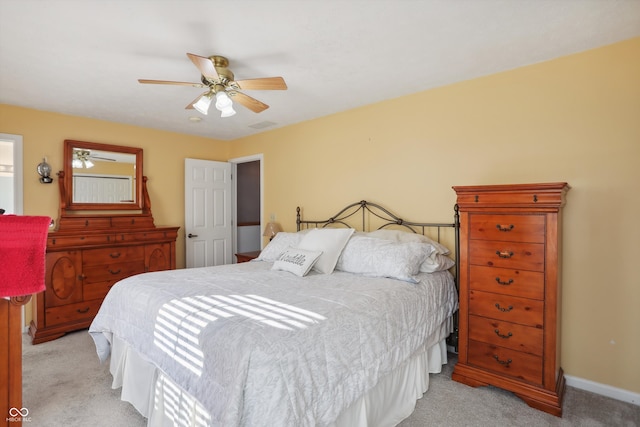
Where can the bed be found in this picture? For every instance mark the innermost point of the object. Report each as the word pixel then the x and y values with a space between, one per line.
pixel 336 324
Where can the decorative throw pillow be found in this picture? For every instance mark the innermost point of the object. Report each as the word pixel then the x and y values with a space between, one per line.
pixel 383 258
pixel 296 261
pixel 279 244
pixel 329 241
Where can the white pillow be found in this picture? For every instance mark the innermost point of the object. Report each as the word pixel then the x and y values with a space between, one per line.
pixel 383 258
pixel 436 262
pixel 404 236
pixel 296 261
pixel 330 241
pixel 279 244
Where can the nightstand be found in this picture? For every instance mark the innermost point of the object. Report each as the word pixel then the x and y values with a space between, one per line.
pixel 247 256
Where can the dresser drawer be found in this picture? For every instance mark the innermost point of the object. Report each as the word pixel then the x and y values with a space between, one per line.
pixel 111 255
pixel 146 236
pixel 86 310
pixel 505 334
pixel 525 256
pixel 97 290
pixel 520 283
pixel 112 272
pixel 60 241
pixel 507 308
pixel 132 221
pixel 510 228
pixel 505 361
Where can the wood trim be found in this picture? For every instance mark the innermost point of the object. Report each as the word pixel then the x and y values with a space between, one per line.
pixel 11 359
pixel 248 223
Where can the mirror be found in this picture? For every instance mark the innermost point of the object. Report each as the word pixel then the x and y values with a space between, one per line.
pixel 102 176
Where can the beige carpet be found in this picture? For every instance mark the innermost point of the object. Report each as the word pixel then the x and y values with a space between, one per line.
pixel 65 385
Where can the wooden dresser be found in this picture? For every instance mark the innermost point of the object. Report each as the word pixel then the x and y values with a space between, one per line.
pixel 510 244
pixel 84 261
pixel 90 250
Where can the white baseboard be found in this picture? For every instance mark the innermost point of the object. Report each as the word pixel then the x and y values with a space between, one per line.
pixel 603 389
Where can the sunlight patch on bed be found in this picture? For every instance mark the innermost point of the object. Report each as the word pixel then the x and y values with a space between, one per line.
pixel 180 322
pixel 177 406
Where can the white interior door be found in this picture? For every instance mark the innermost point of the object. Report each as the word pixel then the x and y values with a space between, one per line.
pixel 208 213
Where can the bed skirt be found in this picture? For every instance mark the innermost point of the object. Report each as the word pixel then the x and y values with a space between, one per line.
pixel 164 404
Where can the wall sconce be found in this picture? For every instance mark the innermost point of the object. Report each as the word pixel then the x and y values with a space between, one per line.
pixel 271 230
pixel 44 170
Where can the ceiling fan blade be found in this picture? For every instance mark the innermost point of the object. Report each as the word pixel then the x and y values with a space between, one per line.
pixel 249 102
pixel 205 65
pixel 266 83
pixel 168 82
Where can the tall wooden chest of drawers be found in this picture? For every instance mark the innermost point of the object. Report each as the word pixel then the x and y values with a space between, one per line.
pixel 510 245
pixel 85 258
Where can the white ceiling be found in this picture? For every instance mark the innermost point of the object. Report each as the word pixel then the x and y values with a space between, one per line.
pixel 83 57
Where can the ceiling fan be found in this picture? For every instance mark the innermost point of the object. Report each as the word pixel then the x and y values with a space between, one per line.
pixel 220 84
pixel 82 158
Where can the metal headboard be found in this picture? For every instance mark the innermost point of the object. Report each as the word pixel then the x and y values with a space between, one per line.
pixel 388 219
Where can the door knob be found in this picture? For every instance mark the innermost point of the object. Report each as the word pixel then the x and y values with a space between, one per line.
pixel 192 235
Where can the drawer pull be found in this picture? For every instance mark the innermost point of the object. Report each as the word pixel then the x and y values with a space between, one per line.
pixel 507 283
pixel 502 362
pixel 83 311
pixel 509 335
pixel 115 255
pixel 501 228
pixel 504 254
pixel 115 272
pixel 504 310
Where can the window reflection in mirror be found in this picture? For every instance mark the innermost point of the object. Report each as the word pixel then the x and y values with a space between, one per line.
pixel 103 176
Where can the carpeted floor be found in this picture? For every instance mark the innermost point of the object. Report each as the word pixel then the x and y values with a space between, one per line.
pixel 65 385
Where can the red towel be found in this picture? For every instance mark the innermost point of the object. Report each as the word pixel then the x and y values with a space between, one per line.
pixel 23 244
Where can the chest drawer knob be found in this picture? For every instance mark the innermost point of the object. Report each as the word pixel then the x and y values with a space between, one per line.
pixel 115 255
pixel 509 335
pixel 504 254
pixel 502 362
pixel 502 309
pixel 83 310
pixel 114 272
pixel 502 228
pixel 507 283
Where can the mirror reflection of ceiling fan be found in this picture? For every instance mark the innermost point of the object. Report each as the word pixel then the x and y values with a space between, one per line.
pixel 221 86
pixel 82 159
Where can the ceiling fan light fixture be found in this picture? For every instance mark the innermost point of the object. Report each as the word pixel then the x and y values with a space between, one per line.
pixel 224 104
pixel 204 103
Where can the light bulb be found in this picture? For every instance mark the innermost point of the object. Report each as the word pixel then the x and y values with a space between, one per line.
pixel 224 104
pixel 203 103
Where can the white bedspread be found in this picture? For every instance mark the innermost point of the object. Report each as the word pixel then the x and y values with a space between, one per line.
pixel 261 347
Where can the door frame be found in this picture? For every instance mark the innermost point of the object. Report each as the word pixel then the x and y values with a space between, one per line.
pixel 234 194
pixel 18 194
pixel 18 187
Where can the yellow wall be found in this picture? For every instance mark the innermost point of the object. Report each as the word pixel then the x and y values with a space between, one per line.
pixel 163 154
pixel 573 119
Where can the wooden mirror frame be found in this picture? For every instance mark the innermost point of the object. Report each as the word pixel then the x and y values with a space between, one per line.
pixel 66 179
